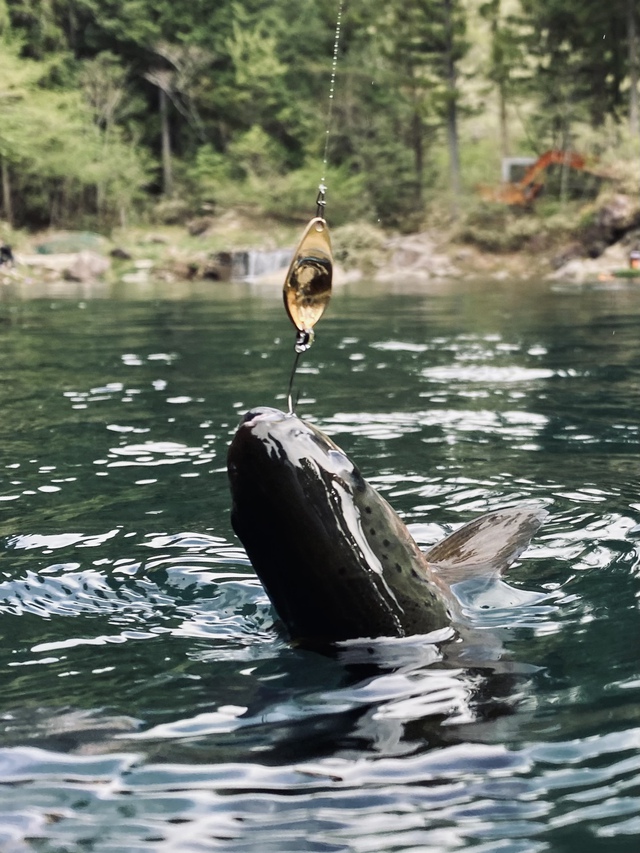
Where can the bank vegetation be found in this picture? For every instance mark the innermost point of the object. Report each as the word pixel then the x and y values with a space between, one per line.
pixel 123 112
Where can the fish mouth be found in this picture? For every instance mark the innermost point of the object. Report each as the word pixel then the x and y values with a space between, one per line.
pixel 286 439
pixel 260 414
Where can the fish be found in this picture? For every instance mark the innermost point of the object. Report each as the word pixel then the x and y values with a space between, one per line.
pixel 335 559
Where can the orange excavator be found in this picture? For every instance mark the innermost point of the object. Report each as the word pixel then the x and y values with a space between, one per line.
pixel 526 190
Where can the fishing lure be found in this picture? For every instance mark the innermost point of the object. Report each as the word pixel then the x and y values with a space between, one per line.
pixel 307 286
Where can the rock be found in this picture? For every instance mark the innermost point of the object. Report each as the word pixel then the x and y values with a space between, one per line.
pixel 576 270
pixel 616 217
pixel 218 267
pixel 87 266
pixel 199 225
pixel 464 254
pixel 568 253
pixel 619 214
pixel 631 239
pixel 579 270
pixel 120 254
pixel 74 266
pixel 415 256
pixel 614 256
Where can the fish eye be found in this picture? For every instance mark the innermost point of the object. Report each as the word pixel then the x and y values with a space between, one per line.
pixel 357 480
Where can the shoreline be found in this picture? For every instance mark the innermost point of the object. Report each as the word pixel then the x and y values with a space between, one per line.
pixel 238 247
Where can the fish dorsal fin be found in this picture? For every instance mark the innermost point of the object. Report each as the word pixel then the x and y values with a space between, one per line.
pixel 487 545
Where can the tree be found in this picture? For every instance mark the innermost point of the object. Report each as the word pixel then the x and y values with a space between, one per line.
pixel 583 50
pixel 57 162
pixel 634 68
pixel 506 59
pixel 424 43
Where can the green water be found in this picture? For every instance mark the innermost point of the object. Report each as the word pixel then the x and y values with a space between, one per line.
pixel 150 702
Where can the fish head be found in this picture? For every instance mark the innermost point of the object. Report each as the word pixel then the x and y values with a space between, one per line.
pixel 333 556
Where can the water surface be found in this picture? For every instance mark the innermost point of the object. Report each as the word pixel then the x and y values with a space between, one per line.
pixel 149 698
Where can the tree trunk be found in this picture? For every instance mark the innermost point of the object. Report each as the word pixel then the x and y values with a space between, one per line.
pixel 504 122
pixel 452 143
pixel 417 140
pixel 6 191
pixel 167 172
pixel 632 36
pixel 452 107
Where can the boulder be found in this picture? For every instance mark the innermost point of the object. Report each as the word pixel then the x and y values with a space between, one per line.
pixel 618 215
pixel 415 256
pixel 73 266
pixel 87 266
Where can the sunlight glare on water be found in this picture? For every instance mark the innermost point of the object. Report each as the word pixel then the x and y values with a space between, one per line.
pixel 151 701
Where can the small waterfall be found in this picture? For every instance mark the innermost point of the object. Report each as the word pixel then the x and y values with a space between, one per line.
pixel 254 263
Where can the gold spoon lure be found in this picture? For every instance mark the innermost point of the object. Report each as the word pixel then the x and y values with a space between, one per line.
pixel 307 286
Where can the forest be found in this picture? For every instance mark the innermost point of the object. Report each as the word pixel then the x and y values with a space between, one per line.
pixel 121 111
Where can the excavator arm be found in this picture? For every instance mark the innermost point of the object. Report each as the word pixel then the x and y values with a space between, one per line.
pixel 528 188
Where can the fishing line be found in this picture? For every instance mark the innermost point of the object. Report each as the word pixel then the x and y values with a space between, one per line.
pixel 290 406
pixel 307 286
pixel 332 92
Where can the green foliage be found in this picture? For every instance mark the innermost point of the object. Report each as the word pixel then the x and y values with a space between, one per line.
pixel 209 171
pixel 582 53
pixel 58 163
pixel 294 194
pixel 495 228
pixel 107 104
pixel 359 245
pixel 255 153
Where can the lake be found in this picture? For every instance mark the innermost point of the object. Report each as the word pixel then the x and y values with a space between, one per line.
pixel 150 700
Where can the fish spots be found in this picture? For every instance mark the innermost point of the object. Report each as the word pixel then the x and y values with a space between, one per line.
pixel 386 543
pixel 367 509
pixel 398 568
pixel 372 531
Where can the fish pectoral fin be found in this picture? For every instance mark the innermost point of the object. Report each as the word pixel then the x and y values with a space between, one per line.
pixel 487 545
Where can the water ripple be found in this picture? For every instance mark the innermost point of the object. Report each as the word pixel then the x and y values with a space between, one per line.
pixel 150 701
pixel 448 798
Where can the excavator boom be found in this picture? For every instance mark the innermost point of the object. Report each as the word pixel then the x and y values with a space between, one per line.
pixel 528 188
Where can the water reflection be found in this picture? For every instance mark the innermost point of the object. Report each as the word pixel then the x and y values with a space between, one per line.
pixel 150 700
